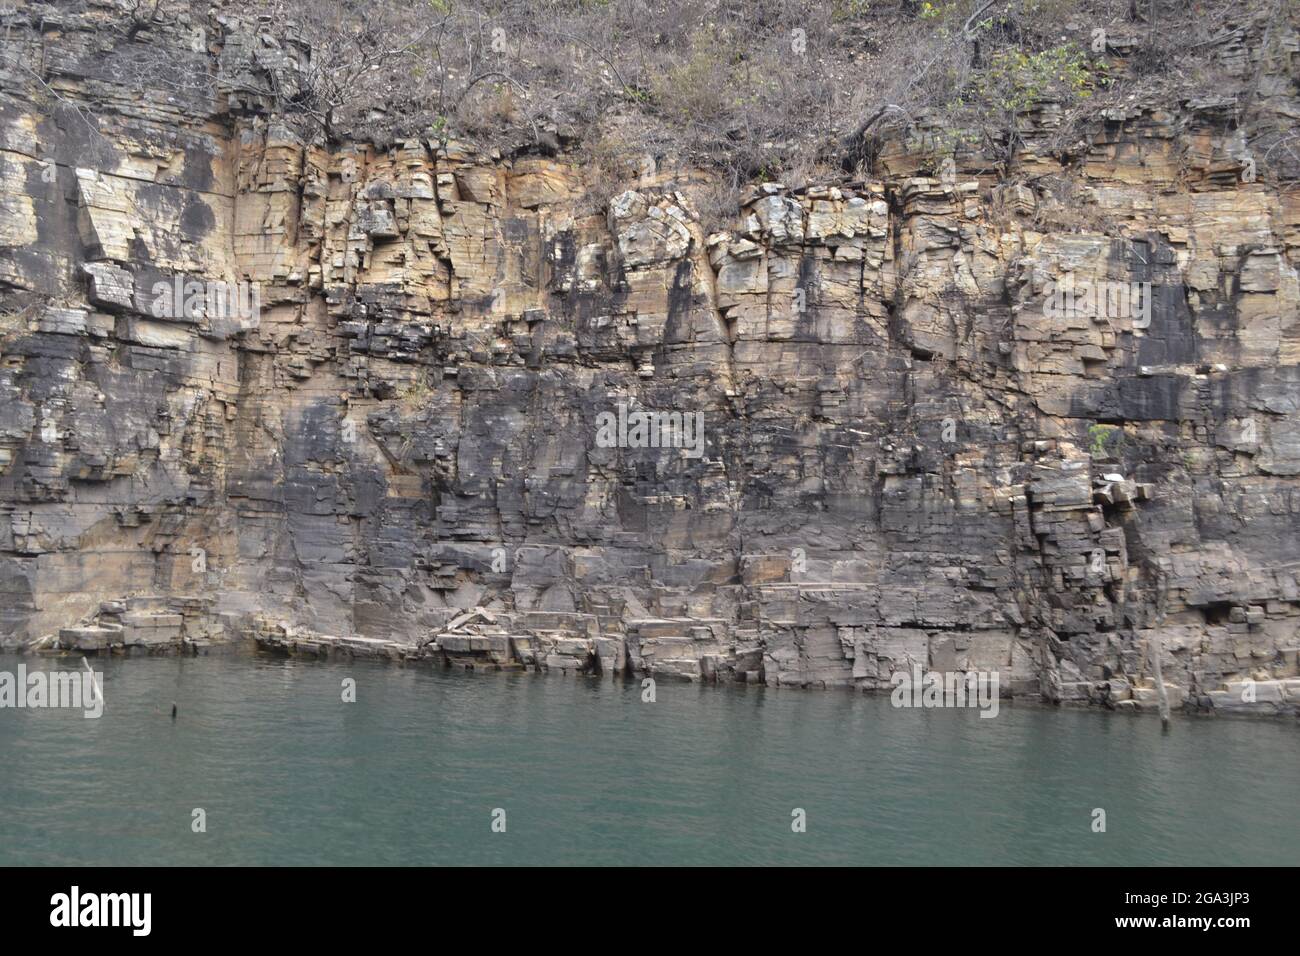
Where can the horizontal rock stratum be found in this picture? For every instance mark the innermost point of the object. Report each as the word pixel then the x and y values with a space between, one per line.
pixel 352 392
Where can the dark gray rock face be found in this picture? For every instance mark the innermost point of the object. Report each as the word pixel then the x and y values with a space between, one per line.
pixel 253 388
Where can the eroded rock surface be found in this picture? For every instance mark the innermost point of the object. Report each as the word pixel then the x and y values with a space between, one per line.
pixel 912 453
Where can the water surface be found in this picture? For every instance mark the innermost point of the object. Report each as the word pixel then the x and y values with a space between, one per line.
pixel 411 773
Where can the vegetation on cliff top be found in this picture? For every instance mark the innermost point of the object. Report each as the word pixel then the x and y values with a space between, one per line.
pixel 757 88
pixel 754 90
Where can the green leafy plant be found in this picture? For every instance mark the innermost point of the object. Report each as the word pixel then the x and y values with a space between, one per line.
pixel 1016 80
pixel 1105 441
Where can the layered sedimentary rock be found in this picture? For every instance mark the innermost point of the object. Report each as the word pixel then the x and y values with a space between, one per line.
pixel 914 449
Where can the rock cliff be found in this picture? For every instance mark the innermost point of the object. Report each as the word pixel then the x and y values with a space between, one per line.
pixel 940 423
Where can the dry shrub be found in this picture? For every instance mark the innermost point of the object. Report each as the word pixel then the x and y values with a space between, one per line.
pixel 754 88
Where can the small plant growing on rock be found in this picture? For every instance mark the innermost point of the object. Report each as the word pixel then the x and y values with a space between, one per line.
pixel 1105 441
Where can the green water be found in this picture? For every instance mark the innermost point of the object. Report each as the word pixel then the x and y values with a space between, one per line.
pixel 410 773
